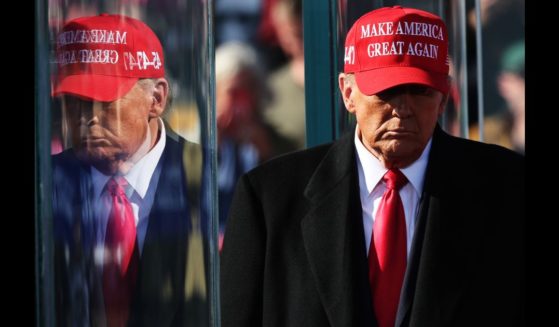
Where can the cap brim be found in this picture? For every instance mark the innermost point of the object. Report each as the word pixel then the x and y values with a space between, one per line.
pixel 95 87
pixel 376 80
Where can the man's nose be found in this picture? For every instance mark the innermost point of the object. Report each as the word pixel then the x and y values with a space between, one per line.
pixel 401 105
pixel 90 114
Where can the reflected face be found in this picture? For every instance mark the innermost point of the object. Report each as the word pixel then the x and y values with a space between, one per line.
pixel 395 124
pixel 236 103
pixel 105 134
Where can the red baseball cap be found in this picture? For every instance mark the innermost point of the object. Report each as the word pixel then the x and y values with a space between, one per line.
pixel 101 57
pixel 396 45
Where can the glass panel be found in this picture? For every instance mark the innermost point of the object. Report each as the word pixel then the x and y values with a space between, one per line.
pixel 134 219
pixel 44 276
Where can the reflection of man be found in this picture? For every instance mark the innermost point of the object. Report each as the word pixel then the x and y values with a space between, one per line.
pixel 395 224
pixel 120 204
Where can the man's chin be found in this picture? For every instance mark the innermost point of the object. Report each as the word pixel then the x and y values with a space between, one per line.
pixel 401 155
pixel 107 164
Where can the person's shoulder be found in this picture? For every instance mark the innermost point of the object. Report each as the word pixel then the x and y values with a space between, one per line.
pixel 286 175
pixel 290 165
pixel 484 151
pixel 176 143
pixel 300 158
pixel 484 157
pixel 173 138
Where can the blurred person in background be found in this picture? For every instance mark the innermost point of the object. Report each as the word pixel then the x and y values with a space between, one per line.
pixel 502 24
pixel 121 204
pixel 512 87
pixel 507 128
pixel 244 138
pixel 286 112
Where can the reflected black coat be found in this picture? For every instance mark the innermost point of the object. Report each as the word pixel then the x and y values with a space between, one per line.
pixel 294 248
pixel 159 298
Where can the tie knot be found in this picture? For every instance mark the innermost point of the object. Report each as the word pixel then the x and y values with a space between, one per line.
pixel 116 185
pixel 394 179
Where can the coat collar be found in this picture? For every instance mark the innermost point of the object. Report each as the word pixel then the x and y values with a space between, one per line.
pixel 445 242
pixel 333 237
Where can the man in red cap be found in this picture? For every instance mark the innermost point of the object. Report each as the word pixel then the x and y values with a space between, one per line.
pixel 394 224
pixel 121 205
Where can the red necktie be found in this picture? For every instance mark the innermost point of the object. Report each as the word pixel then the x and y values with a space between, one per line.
pixel 387 252
pixel 121 256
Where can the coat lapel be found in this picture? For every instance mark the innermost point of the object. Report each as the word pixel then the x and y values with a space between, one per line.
pixel 409 283
pixel 160 282
pixel 333 238
pixel 444 244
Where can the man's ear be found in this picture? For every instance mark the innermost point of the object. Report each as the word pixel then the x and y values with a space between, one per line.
pixel 446 95
pixel 346 85
pixel 160 93
pixel 443 103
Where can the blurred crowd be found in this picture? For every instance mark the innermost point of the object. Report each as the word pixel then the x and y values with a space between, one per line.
pixel 260 95
pixel 503 51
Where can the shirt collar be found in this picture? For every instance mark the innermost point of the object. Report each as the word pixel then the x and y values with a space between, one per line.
pixel 139 176
pixel 415 173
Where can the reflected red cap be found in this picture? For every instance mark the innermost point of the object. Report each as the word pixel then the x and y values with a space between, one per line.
pixel 396 45
pixel 102 57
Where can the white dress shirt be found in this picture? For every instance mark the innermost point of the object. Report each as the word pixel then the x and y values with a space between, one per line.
pixel 138 192
pixel 371 188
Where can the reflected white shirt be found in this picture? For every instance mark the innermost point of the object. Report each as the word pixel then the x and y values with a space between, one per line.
pixel 141 197
pixel 371 188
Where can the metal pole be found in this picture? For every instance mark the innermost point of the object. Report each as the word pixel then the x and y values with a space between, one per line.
pixel 464 70
pixel 479 61
pixel 44 274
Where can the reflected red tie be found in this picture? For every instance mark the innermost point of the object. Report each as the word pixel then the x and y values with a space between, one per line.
pixel 121 255
pixel 387 252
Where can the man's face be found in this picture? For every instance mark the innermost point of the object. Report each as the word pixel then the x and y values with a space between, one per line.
pixel 105 134
pixel 395 124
